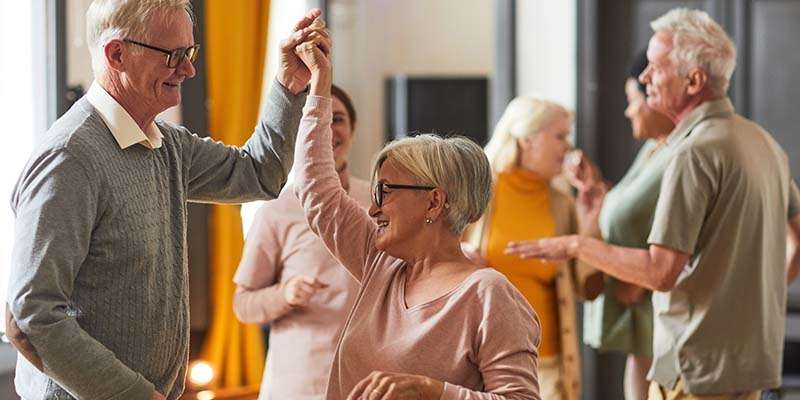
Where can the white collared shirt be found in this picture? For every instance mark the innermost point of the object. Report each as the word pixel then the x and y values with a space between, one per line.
pixel 122 126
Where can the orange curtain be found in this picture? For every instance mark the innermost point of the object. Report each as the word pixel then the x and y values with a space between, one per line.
pixel 235 43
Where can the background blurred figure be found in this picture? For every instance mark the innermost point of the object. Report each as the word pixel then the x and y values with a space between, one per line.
pixel 288 278
pixel 621 319
pixel 427 322
pixel 717 247
pixel 526 152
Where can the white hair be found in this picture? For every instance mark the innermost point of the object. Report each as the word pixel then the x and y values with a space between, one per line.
pixel 699 42
pixel 107 20
pixel 523 117
pixel 456 165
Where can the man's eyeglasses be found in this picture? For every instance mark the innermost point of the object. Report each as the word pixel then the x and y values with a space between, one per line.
pixel 377 191
pixel 174 56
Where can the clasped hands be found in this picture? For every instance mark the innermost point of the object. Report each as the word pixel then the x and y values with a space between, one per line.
pixel 305 53
pixel 381 385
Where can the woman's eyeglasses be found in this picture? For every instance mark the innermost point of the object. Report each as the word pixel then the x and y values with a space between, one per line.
pixel 377 191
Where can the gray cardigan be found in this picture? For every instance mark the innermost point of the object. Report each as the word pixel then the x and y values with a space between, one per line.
pixel 99 267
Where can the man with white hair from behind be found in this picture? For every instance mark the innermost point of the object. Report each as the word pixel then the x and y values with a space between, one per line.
pixel 718 241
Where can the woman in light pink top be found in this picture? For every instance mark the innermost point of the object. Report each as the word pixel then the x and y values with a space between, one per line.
pixel 288 278
pixel 427 323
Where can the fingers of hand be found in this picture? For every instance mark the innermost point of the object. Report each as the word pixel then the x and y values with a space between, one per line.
pixel 9 316
pixel 298 291
pixel 311 17
pixel 12 330
pixel 316 283
pixel 321 285
pixel 308 288
pixel 15 334
pixel 308 51
pixel 359 389
pixel 319 30
pixel 385 383
pixel 302 35
pixel 318 23
pixel 514 248
pixel 323 42
pixel 391 393
pixel 318 46
pixel 301 296
pixel 527 249
pixel 373 391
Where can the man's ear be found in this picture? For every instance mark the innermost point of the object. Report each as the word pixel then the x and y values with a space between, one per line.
pixel 115 54
pixel 698 80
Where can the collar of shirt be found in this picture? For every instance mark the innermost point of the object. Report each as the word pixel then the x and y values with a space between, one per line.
pixel 708 109
pixel 122 126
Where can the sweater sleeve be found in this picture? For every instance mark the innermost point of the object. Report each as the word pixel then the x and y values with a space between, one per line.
pixel 344 226
pixel 216 172
pixel 259 295
pixel 56 206
pixel 506 343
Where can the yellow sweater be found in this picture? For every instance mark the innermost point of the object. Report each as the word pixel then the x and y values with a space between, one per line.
pixel 522 212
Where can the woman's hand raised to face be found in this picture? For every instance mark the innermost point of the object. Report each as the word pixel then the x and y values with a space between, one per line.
pixel 581 172
pixel 587 208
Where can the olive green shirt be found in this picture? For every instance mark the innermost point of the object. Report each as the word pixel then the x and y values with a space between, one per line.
pixel 625 220
pixel 725 199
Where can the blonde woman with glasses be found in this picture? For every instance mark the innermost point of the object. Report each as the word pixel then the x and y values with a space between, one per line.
pixel 427 322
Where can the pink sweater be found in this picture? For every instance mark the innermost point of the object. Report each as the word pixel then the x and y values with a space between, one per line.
pixel 480 338
pixel 302 341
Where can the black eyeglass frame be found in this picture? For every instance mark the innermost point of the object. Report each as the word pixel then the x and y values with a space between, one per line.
pixel 377 190
pixel 172 55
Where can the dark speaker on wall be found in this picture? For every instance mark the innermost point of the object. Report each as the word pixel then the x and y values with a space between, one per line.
pixel 442 105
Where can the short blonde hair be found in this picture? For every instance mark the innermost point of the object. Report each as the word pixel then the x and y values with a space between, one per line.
pixel 455 164
pixel 699 42
pixel 118 19
pixel 523 117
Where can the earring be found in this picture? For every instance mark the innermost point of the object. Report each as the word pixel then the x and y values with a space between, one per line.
pixel 428 220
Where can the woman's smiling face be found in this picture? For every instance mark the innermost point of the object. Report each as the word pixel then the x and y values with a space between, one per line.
pixel 402 211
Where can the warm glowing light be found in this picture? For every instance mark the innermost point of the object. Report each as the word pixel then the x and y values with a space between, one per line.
pixel 205 395
pixel 201 373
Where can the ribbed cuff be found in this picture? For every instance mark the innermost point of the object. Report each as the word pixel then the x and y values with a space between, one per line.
pixel 141 389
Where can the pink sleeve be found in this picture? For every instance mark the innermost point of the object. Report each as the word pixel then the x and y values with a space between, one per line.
pixel 343 225
pixel 507 343
pixel 259 295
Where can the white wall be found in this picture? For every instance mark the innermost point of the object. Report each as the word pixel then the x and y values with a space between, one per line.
pixel 546 49
pixel 374 39
pixel 79 64
pixel 21 115
pixel 283 14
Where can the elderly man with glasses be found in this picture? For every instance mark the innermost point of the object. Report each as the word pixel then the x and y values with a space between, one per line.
pixel 98 295
pixel 717 257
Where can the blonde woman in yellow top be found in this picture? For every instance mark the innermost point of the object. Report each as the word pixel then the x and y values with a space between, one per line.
pixel 526 153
